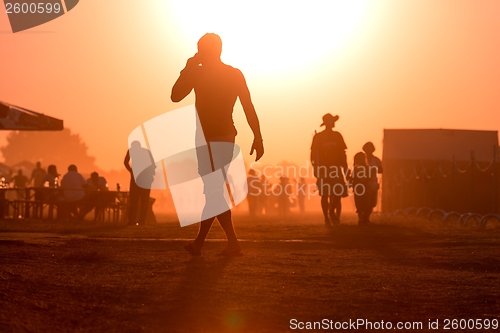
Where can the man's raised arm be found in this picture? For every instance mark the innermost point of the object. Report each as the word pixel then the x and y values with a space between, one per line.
pixel 184 83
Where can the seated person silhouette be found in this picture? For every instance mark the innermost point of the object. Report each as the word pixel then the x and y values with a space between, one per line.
pixel 51 177
pixel 49 182
pixel 96 182
pixel 96 196
pixel 74 185
pixel 216 86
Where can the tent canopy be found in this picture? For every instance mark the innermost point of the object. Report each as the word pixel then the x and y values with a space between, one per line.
pixel 17 118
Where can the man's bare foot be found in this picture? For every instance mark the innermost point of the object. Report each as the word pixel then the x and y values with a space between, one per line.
pixel 231 250
pixel 195 252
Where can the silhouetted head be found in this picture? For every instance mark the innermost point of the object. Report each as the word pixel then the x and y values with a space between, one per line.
pixel 20 172
pixel 94 176
pixel 209 48
pixel 329 120
pixel 38 164
pixel 360 159
pixel 52 170
pixel 368 148
pixel 72 167
pixel 135 145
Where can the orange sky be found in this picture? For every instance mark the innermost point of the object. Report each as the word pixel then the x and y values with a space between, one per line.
pixel 107 66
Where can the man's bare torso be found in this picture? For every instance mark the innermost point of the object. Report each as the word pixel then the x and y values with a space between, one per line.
pixel 217 89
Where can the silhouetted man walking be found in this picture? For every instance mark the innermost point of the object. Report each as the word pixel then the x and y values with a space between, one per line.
pixel 216 86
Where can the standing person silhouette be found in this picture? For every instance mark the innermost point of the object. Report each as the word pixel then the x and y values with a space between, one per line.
pixel 216 87
pixel 20 182
pixel 374 185
pixel 328 159
pixel 142 174
pixel 301 194
pixel 253 184
pixel 264 195
pixel 37 175
pixel 359 179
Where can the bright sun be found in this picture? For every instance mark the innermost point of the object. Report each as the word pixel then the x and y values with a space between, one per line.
pixel 271 35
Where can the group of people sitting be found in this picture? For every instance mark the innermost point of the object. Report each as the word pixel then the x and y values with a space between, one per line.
pixel 76 197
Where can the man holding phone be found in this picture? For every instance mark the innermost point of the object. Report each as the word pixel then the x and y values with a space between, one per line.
pixel 217 86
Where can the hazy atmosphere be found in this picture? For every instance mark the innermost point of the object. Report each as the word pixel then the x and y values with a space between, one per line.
pixel 109 66
pixel 249 166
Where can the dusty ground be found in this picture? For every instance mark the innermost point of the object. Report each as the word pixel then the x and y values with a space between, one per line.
pixel 88 277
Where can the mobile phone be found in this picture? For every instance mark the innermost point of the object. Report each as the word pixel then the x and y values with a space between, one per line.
pixel 196 58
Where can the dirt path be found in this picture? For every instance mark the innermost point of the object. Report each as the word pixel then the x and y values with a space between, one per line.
pixel 114 279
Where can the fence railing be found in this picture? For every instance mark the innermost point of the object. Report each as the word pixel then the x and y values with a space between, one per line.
pixel 454 186
pixel 50 203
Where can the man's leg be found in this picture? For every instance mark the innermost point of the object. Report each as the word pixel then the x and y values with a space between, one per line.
pixel 360 217
pixel 217 157
pixel 86 205
pixel 226 223
pixel 203 232
pixel 143 205
pixel 133 202
pixel 213 199
pixel 73 210
pixel 372 203
pixel 368 213
pixel 325 207
pixel 335 208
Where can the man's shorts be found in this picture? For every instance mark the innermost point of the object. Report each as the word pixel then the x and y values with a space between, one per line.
pixel 214 156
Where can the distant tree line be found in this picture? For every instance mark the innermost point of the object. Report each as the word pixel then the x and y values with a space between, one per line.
pixel 60 148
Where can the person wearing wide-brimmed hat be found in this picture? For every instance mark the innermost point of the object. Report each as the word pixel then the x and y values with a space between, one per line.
pixel 330 164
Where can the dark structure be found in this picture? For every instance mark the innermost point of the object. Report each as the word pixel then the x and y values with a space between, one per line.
pixel 17 118
pixel 452 170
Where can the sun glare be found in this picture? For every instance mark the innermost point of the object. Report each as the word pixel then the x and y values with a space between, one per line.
pixel 271 35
